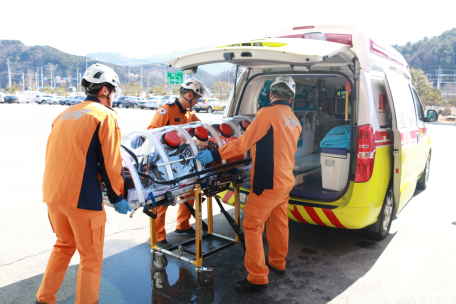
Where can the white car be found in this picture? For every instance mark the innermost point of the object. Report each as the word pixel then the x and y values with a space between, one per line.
pixel 41 98
pixel 151 103
pixel 54 100
pixel 167 99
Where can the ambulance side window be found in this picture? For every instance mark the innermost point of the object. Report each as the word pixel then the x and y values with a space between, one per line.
pixel 419 108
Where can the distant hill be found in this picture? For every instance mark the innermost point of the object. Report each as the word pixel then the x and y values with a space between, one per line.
pixel 430 53
pixel 29 60
pixel 119 59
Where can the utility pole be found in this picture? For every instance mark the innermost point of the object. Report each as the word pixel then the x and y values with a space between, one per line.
pixel 439 78
pixel 42 84
pixel 23 81
pixel 9 72
pixel 50 67
pixel 77 80
pixel 141 76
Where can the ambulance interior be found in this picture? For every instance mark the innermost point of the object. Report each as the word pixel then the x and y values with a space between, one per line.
pixel 321 165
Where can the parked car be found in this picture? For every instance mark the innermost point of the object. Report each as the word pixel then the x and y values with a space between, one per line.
pixel 150 103
pixel 118 102
pixel 76 100
pixel 131 102
pixel 41 98
pixel 167 99
pixel 54 100
pixel 210 105
pixel 11 99
pixel 64 100
pixel 1 97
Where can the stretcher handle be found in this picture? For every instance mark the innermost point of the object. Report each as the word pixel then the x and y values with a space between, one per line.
pixel 176 161
pixel 147 212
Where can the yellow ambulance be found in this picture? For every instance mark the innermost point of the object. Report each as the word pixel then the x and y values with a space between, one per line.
pixel 345 81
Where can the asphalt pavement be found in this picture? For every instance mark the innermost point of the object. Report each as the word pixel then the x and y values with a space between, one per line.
pixel 414 264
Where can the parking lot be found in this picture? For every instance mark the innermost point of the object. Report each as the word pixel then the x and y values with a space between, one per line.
pixel 414 264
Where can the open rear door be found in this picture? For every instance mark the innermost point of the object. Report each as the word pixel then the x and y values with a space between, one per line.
pixel 266 53
pixel 405 132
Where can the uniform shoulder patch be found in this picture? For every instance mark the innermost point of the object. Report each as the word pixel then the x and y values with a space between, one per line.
pixel 162 111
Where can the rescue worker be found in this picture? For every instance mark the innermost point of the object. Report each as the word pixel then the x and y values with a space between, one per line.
pixel 273 137
pixel 82 150
pixel 177 113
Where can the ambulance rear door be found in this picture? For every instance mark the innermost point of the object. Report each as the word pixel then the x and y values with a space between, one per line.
pixel 405 128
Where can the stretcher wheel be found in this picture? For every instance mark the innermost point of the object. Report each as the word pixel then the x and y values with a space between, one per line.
pixel 205 280
pixel 159 262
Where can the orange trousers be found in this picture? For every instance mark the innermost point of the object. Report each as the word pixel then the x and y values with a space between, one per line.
pixel 75 229
pixel 270 208
pixel 183 219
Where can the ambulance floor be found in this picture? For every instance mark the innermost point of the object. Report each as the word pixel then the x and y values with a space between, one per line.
pixel 313 189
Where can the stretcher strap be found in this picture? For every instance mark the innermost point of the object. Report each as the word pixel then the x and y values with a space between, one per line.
pixel 151 214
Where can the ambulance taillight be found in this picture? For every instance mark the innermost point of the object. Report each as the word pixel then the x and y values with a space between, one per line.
pixel 366 154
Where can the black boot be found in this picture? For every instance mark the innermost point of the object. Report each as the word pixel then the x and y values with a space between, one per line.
pixel 245 285
pixel 273 269
pixel 164 244
pixel 189 231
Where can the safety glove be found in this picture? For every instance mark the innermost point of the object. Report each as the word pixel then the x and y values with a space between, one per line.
pixel 205 157
pixel 122 207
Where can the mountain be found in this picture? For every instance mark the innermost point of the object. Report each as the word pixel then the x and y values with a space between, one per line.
pixel 30 60
pixel 119 59
pixel 430 53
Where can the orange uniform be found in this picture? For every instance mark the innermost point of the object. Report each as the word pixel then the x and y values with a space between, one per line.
pixel 169 115
pixel 84 144
pixel 273 137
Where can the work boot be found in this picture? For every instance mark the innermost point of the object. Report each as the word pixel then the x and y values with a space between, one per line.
pixel 273 269
pixel 189 231
pixel 164 244
pixel 245 285
pixel 39 302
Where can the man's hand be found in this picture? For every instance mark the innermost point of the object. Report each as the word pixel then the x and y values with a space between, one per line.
pixel 200 143
pixel 205 157
pixel 122 207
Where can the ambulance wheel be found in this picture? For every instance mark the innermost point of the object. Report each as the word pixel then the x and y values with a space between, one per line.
pixel 209 110
pixel 423 181
pixel 159 262
pixel 205 280
pixel 380 229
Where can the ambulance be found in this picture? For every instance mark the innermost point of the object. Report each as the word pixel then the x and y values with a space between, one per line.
pixel 345 81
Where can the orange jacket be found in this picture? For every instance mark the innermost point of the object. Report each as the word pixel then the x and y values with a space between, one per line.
pixel 84 143
pixel 172 114
pixel 273 137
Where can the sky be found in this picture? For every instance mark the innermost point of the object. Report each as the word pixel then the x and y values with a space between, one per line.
pixel 139 29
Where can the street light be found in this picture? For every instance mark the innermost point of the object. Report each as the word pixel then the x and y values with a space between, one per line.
pixel 89 60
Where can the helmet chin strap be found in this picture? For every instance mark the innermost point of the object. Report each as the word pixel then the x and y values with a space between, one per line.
pixel 189 101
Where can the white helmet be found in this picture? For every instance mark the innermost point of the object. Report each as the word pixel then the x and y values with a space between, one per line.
pixel 97 75
pixel 195 85
pixel 287 80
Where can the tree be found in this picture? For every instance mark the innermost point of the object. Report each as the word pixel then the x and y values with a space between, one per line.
pixel 131 89
pixel 221 89
pixel 176 89
pixel 13 88
pixel 61 90
pixel 428 94
pixel 158 90
pixel 46 89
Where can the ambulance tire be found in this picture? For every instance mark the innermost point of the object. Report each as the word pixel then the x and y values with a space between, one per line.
pixel 159 262
pixel 423 181
pixel 209 110
pixel 380 229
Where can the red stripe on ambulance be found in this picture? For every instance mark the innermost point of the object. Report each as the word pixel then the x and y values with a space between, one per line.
pixel 333 218
pixel 298 215
pixel 314 216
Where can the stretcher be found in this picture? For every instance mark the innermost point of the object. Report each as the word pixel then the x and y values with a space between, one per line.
pixel 159 169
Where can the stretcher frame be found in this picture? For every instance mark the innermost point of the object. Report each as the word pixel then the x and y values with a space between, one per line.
pixel 205 278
